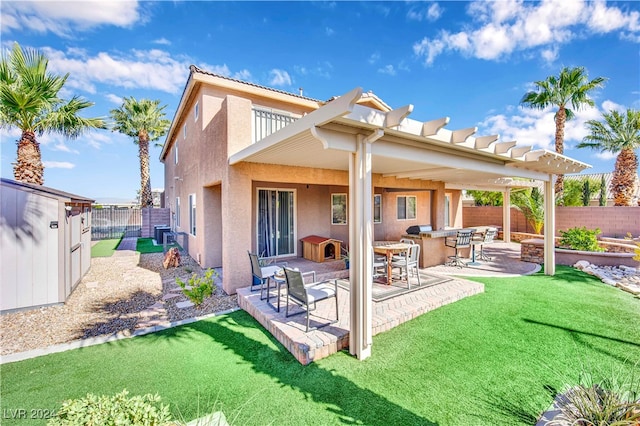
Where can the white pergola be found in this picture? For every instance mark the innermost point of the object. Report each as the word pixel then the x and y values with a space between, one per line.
pixel 342 135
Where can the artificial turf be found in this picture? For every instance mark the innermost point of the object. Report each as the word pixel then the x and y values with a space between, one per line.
pixel 494 358
pixel 105 248
pixel 145 245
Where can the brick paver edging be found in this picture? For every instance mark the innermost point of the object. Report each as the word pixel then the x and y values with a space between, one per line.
pixel 83 343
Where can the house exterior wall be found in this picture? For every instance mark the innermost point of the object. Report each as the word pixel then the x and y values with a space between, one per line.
pixel 612 221
pixel 226 224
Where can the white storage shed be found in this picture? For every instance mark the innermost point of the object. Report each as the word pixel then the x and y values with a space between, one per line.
pixel 45 244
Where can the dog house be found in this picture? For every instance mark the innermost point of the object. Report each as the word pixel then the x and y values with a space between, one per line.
pixel 320 249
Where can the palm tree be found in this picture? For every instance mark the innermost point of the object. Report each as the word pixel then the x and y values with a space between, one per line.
pixel 619 133
pixel 29 101
pixel 144 121
pixel 570 89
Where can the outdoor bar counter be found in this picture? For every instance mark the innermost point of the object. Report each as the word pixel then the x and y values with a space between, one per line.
pixel 433 252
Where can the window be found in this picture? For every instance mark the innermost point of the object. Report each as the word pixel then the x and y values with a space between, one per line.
pixel 406 207
pixel 177 213
pixel 192 214
pixel 377 208
pixel 338 209
pixel 175 148
pixel 184 131
pixel 196 111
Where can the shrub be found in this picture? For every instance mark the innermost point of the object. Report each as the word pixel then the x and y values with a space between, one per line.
pixel 614 399
pixel 112 410
pixel 580 239
pixel 200 287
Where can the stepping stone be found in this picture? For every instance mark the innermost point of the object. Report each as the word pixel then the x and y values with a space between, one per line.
pixel 170 296
pixel 157 305
pixel 183 305
pixel 92 284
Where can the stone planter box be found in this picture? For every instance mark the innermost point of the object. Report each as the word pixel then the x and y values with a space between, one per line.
pixel 532 250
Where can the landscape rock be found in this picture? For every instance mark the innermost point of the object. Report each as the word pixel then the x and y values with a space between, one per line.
pixel 623 277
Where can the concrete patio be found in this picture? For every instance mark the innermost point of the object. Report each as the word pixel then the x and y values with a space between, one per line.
pixel 387 313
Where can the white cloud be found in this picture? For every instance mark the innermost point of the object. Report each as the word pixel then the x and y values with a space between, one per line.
pixel 387 69
pixel 500 28
pixel 152 69
pixel 612 106
pixel 163 41
pixel 62 146
pixel 375 57
pixel 537 127
pixel 430 13
pixel 63 17
pixel 96 139
pixel 279 78
pixel 114 99
pixel 58 165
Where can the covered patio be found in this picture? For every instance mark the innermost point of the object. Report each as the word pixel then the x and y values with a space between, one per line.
pixel 393 307
pixel 376 147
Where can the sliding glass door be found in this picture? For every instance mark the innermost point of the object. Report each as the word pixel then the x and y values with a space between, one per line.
pixel 276 222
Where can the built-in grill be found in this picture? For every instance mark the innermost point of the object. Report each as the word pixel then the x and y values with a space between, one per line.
pixel 417 229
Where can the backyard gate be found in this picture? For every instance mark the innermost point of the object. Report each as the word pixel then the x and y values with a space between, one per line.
pixel 114 222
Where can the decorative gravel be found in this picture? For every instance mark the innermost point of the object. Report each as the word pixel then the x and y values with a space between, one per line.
pixel 122 293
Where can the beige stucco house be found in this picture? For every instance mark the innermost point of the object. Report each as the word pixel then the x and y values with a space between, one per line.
pixel 253 168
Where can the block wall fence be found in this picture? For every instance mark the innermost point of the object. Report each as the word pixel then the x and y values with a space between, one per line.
pixel 152 217
pixel 612 221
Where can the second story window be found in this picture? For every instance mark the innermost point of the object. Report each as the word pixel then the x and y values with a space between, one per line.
pixel 196 111
pixel 176 152
pixel 267 121
pixel 184 131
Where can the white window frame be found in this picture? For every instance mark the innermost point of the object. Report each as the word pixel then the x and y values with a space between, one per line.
pixel 196 111
pixel 406 207
pixel 176 153
pixel 177 212
pixel 379 197
pixel 339 200
pixel 192 214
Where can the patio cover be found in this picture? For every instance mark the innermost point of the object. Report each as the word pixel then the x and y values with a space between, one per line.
pixel 342 135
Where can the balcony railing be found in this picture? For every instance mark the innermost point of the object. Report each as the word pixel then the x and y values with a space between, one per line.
pixel 267 122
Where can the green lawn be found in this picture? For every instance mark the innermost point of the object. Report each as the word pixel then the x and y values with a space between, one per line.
pixel 492 359
pixel 105 248
pixel 145 245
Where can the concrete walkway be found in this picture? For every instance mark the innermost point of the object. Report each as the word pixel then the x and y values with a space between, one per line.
pixel 127 244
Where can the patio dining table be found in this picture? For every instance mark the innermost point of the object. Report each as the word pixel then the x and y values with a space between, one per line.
pixel 389 250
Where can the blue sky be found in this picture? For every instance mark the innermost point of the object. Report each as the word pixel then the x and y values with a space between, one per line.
pixel 471 61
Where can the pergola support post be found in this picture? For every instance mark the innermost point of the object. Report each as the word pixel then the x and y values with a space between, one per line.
pixel 549 227
pixel 506 215
pixel 360 243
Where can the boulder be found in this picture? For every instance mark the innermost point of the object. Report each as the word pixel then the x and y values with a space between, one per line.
pixel 171 258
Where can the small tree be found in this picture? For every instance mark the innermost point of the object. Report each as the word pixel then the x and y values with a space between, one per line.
pixel 486 198
pixel 603 192
pixel 586 193
pixel 531 203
